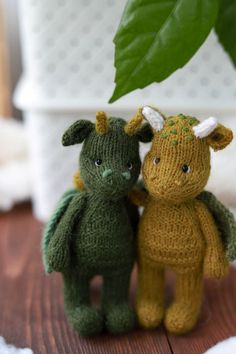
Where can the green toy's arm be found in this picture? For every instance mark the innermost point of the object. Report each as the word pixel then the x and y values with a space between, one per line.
pixel 215 262
pixel 224 220
pixel 58 252
pixel 53 223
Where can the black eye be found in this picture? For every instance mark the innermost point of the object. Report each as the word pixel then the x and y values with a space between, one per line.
pixel 186 169
pixel 156 160
pixel 98 162
pixel 129 165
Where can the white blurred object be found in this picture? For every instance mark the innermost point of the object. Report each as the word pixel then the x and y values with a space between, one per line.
pixel 68 74
pixel 15 179
pixel 11 349
pixel 227 346
pixel 12 140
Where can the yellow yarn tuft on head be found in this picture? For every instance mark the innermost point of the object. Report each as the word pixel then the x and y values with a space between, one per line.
pixel 101 123
pixel 135 122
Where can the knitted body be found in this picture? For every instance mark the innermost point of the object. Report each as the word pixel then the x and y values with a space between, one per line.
pixel 158 237
pixel 101 247
pixel 177 231
pixel 97 247
pixel 96 233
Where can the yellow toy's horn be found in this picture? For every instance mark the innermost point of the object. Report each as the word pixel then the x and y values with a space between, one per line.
pixel 154 117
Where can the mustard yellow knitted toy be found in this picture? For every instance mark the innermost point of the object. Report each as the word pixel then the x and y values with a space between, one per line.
pixel 177 230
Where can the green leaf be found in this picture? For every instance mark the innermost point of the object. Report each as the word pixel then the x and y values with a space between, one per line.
pixel 156 37
pixel 226 27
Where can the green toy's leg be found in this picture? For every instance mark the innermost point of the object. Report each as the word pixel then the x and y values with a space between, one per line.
pixel 120 317
pixel 85 319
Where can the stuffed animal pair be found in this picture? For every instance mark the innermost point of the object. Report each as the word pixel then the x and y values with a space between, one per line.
pixel 93 230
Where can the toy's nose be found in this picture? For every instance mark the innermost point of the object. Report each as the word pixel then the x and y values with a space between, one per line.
pixel 106 173
pixel 109 172
pixel 126 175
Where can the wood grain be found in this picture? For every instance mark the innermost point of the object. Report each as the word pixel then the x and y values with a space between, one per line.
pixel 32 312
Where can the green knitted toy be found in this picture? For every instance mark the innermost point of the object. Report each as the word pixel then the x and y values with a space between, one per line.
pixel 92 231
pixel 225 222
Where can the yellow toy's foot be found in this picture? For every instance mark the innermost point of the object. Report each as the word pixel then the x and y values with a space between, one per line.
pixel 180 318
pixel 150 315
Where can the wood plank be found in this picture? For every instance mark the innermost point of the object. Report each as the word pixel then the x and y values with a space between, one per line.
pixel 31 303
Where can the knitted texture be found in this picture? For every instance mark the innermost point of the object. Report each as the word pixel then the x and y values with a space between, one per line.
pixel 95 235
pixel 52 224
pixel 131 127
pixel 101 123
pixel 77 181
pixel 177 231
pixel 225 221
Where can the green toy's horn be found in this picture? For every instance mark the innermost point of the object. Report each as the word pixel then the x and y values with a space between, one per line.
pixel 101 123
pixel 134 123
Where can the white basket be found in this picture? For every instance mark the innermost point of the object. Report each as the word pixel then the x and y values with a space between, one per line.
pixel 68 74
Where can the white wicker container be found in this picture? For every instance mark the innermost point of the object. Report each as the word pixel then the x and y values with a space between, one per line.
pixel 68 74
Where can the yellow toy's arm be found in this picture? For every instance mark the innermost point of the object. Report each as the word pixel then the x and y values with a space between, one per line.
pixel 215 262
pixel 138 197
pixel 77 181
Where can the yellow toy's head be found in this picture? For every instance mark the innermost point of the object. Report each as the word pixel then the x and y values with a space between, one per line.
pixel 177 167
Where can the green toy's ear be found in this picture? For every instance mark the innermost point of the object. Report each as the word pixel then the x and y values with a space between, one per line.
pixel 77 132
pixel 145 133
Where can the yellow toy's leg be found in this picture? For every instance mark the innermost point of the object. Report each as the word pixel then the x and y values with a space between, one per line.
pixel 150 298
pixel 183 314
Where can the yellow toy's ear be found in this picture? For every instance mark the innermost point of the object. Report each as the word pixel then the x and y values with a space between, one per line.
pixel 220 138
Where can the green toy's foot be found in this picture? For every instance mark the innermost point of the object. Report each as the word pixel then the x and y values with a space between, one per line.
pixel 86 320
pixel 120 319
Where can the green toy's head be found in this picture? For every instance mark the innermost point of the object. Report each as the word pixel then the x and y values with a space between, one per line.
pixel 109 160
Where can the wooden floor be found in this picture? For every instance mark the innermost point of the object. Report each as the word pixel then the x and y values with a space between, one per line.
pixel 32 314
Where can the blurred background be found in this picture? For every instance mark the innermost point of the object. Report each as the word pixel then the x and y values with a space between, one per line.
pixel 56 66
